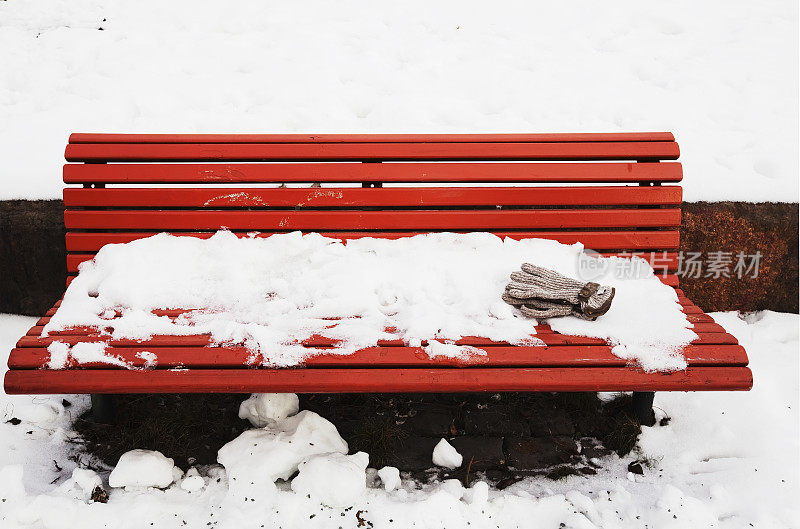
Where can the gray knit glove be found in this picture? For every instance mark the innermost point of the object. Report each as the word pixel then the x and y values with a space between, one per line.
pixel 542 293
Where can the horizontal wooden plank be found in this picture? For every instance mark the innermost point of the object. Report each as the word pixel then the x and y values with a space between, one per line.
pixel 36 330
pixel 349 380
pixel 255 152
pixel 575 172
pixel 659 261
pixel 497 356
pixel 370 220
pixel 73 336
pixel 598 240
pixel 370 138
pixel 671 280
pixel 682 300
pixel 388 197
pixel 698 321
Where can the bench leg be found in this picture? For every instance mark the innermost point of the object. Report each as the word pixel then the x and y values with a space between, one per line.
pixel 642 407
pixel 103 408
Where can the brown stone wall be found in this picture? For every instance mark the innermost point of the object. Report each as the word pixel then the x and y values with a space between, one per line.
pixel 32 254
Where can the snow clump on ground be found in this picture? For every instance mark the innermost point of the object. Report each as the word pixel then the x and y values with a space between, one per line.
pixel 334 479
pixel 444 455
pixel 262 409
pixel 143 468
pixel 256 459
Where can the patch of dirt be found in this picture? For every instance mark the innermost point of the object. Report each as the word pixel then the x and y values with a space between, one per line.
pixel 564 430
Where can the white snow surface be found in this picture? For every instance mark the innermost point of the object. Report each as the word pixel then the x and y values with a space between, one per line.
pixel 192 481
pixel 726 459
pixel 82 483
pixel 335 479
pixel 390 477
pixel 81 353
pixel 142 468
pixel 720 74
pixel 444 455
pixel 256 459
pixel 262 409
pixel 271 293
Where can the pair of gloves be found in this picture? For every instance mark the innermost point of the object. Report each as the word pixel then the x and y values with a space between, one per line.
pixel 542 293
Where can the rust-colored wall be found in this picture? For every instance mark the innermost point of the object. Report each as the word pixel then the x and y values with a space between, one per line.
pixel 768 228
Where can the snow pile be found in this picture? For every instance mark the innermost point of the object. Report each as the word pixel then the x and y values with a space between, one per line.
pixel 444 455
pixel 143 468
pixel 478 494
pixel 257 458
pixel 335 479
pixel 272 293
pixel 262 409
pixel 192 481
pixel 82 483
pixel 390 477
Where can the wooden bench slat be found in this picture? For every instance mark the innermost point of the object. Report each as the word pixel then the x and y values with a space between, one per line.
pixel 671 280
pixel 400 356
pixel 374 197
pixel 376 220
pixel 598 240
pixel 373 172
pixel 369 138
pixel 375 380
pixel 256 152
pixel 659 262
pixel 698 321
pixel 76 335
pixel 682 300
pixel 698 326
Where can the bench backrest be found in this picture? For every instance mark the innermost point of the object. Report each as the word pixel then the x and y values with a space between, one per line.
pixel 604 190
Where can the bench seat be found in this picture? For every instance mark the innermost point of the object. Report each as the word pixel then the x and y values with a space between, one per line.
pixel 614 193
pixel 192 364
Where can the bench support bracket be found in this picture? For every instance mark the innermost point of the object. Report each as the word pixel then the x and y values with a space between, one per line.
pixel 642 407
pixel 103 408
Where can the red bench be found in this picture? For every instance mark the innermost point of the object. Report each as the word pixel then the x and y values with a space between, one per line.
pixel 619 197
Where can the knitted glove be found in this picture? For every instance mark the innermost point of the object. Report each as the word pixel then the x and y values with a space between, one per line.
pixel 542 293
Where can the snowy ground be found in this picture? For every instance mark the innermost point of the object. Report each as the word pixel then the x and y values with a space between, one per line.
pixel 721 74
pixel 724 460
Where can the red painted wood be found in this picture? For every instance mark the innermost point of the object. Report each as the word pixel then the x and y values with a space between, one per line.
pixel 374 172
pixel 696 319
pixel 660 262
pixel 598 240
pixel 73 336
pixel 351 380
pixel 369 138
pixel 255 152
pixel 375 220
pixel 698 326
pixel 669 280
pixel 400 356
pixel 373 197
